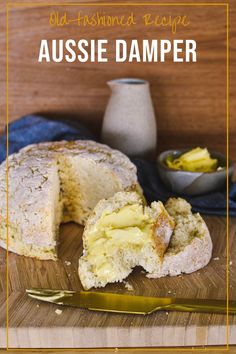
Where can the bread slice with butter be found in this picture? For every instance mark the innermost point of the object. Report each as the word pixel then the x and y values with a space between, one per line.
pixel 190 247
pixel 123 233
pixel 56 182
pixel 120 234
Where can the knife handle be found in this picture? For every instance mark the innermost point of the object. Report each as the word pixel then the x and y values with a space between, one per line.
pixel 198 305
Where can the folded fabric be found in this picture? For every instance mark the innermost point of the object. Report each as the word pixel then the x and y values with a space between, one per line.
pixel 35 129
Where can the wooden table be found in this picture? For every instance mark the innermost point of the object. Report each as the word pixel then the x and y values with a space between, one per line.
pixel 35 324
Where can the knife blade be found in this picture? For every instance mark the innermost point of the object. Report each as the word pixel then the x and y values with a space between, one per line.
pixel 130 304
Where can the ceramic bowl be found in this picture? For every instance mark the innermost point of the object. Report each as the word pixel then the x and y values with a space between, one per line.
pixel 193 183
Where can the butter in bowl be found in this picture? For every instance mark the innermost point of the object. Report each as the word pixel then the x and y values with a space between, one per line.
pixel 193 172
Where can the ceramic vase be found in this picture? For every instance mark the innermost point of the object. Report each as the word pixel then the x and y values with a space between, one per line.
pixel 129 123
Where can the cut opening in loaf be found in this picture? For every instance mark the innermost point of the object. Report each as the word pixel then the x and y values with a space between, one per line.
pixel 51 183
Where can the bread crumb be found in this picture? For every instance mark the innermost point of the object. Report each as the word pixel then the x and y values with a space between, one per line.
pixel 37 305
pixel 68 263
pixel 58 312
pixel 128 286
pixel 230 263
pixel 169 291
pixel 167 313
pixel 216 259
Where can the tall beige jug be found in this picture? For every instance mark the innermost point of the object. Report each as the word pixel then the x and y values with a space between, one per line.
pixel 129 122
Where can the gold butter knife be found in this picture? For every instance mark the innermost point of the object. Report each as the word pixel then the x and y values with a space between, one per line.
pixel 132 304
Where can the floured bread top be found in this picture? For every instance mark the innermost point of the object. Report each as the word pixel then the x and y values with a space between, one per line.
pixel 43 154
pixel 55 182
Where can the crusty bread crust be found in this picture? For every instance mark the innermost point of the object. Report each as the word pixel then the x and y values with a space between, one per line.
pixel 191 258
pixel 192 253
pixel 30 250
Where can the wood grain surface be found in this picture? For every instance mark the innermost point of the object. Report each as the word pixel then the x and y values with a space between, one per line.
pixel 35 324
pixel 217 350
pixel 189 98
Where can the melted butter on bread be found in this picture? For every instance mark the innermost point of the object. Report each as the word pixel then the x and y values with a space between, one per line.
pixel 121 234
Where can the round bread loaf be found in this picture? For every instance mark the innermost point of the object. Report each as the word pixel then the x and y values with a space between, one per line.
pixel 51 183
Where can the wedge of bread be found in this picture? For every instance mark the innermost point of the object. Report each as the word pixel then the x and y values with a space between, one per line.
pixel 190 247
pixel 122 233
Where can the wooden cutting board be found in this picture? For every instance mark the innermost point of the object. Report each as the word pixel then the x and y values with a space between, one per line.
pixel 34 324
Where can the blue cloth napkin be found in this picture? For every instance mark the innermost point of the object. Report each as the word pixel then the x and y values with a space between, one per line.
pixel 34 129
